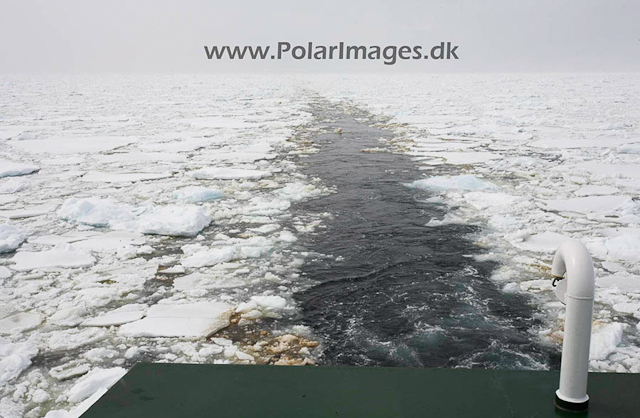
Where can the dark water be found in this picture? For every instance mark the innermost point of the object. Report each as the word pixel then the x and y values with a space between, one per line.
pixel 400 293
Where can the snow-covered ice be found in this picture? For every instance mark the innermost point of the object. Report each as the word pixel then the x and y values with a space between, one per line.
pixel 20 322
pixel 72 144
pixel 64 255
pixel 93 381
pixel 10 238
pixel 14 358
pixel 197 194
pixel 189 202
pixel 210 173
pixel 172 220
pixel 195 320
pixel 461 182
pixel 9 168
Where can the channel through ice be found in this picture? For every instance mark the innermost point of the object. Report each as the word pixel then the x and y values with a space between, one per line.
pixel 139 216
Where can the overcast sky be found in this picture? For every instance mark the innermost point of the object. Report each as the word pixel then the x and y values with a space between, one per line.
pixel 169 36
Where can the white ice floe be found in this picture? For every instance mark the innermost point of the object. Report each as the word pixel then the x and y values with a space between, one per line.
pixel 623 281
pixel 9 168
pixel 567 143
pixel 462 182
pixel 5 273
pixel 222 173
pixel 14 358
pixel 10 238
pixel 12 185
pixel 61 256
pixel 623 244
pixel 131 177
pixel 594 190
pixel 197 194
pixel 593 204
pixel 98 212
pixel 211 257
pixel 604 340
pixel 73 145
pixel 160 220
pixel 71 339
pixel 602 170
pixel 140 157
pixel 174 221
pixel 122 315
pixel 28 211
pixel 20 322
pixel 5 199
pixel 545 242
pixel 263 306
pixel 110 241
pixel 461 157
pixel 235 249
pixel 298 191
pixel 235 157
pixel 199 282
pixel 195 320
pixel 93 381
pixel 495 201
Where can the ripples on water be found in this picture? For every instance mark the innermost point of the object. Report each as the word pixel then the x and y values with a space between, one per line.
pixel 399 293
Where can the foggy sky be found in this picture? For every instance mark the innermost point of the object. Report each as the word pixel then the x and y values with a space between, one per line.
pixel 169 36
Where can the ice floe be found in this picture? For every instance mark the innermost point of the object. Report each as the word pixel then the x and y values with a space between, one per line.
pixel 64 255
pixel 461 182
pixel 160 220
pixel 195 320
pixel 9 168
pixel 197 194
pixel 72 144
pixel 10 238
pixel 106 177
pixel 222 173
pixel 14 358
pixel 20 322
pixel 122 315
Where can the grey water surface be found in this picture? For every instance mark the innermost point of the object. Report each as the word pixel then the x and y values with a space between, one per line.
pixel 397 292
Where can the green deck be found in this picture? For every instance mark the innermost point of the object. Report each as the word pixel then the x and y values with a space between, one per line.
pixel 186 391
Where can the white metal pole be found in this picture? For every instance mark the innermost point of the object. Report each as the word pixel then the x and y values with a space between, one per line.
pixel 573 259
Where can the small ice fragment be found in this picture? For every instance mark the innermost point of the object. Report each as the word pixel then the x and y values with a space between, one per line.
pixel 116 317
pixel 14 358
pixel 591 204
pixel 61 256
pixel 9 168
pixel 174 221
pixel 222 173
pixel 197 194
pixel 72 339
pixel 211 257
pixel 73 145
pixel 10 238
pixel 20 322
pixel 593 190
pixel 96 379
pixel 604 340
pixel 5 273
pixel 462 182
pixel 544 242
